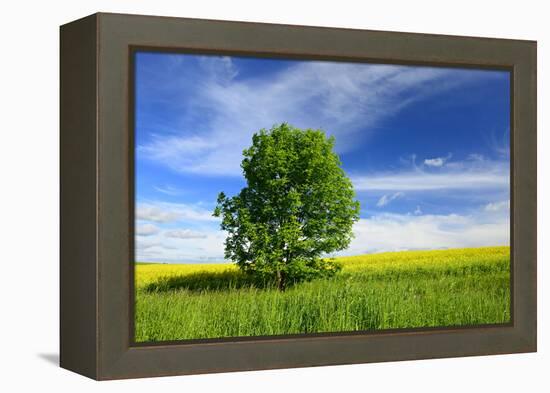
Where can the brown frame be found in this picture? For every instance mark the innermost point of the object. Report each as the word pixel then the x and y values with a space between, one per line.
pixel 97 203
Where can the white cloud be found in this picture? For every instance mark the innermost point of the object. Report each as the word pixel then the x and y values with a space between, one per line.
pixel 437 161
pixel 185 234
pixel 500 142
pixel 381 232
pixel 175 222
pixel 467 175
pixel 147 230
pixel 396 232
pixel 164 212
pixel 476 157
pixel 168 190
pixel 498 206
pixel 146 244
pixel 221 69
pixel 155 214
pixel 387 198
pixel 345 99
pixel 206 248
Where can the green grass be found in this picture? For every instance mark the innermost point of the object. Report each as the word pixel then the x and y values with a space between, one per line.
pixel 379 291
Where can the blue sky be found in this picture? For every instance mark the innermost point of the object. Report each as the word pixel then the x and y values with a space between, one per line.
pixel 427 148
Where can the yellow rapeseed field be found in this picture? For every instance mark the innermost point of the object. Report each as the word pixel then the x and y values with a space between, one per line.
pixel 457 258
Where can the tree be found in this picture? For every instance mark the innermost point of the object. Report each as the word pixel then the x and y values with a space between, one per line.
pixel 298 205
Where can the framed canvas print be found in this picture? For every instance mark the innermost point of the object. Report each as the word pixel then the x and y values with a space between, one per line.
pixel 241 196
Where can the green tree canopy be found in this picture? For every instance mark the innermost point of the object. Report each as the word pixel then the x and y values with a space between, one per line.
pixel 298 205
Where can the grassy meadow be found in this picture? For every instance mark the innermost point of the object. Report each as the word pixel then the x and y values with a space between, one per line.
pixel 377 291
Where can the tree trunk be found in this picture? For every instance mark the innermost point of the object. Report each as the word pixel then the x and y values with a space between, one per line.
pixel 281 284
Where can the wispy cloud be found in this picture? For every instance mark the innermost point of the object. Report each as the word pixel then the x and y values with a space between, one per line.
pixel 185 234
pixel 164 212
pixel 500 143
pixel 206 246
pixel 437 161
pixel 155 214
pixel 498 206
pixel 147 230
pixel 466 175
pixel 167 190
pixel 142 245
pixel 347 100
pixel 175 222
pixel 387 198
pixel 475 157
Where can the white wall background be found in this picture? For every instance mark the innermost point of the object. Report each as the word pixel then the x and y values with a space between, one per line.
pixel 29 194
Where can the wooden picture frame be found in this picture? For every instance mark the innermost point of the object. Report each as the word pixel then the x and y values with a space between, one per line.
pixel 97 196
